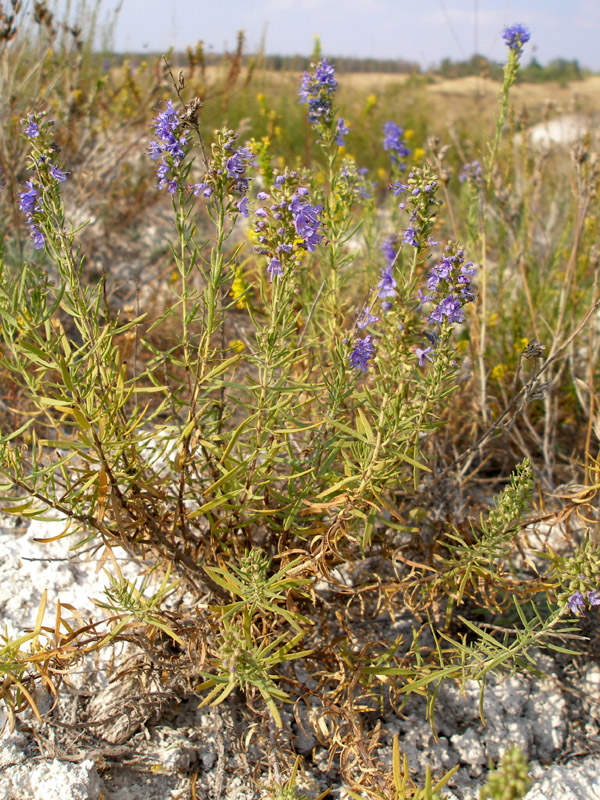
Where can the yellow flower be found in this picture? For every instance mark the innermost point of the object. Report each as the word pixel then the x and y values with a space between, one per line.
pixel 419 154
pixel 493 319
pixel 520 344
pixel 237 346
pixel 371 103
pixel 382 174
pixel 408 134
pixel 498 372
pixel 237 290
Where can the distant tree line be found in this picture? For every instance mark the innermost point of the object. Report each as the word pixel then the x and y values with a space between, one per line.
pixel 559 69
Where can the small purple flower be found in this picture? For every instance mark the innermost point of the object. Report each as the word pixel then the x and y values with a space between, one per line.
pixel 515 37
pixel 576 603
pixel 58 174
pixel 341 130
pixel 201 187
pixel 362 353
pixel 262 196
pixel 399 188
pixel 367 318
pixel 29 199
pixel 154 150
pixel 410 237
pixel 243 207
pixel 387 285
pixel 235 165
pixel 39 239
pixel 423 355
pixel 390 248
pixel 32 130
pixel 275 268
pixel 423 298
pixel 593 597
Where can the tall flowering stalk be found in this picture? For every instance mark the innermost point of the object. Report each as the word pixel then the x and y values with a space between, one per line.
pixel 515 37
pixel 344 186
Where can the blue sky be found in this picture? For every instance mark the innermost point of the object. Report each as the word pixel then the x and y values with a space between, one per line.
pixel 417 31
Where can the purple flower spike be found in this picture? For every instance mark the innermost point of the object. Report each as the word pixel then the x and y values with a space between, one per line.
pixel 394 143
pixel 515 37
pixel 317 90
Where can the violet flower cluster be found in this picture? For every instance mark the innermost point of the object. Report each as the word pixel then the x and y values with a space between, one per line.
pixel 287 225
pixel 395 144
pixel 318 89
pixel 420 203
pixel 515 37
pixel 169 148
pixel 449 284
pixel 362 352
pixel 31 201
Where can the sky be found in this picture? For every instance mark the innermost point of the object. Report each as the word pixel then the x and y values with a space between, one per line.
pixel 412 30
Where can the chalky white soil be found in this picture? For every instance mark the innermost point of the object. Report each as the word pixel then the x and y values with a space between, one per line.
pixel 555 719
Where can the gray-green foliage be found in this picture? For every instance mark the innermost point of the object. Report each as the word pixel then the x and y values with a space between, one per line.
pixel 510 780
